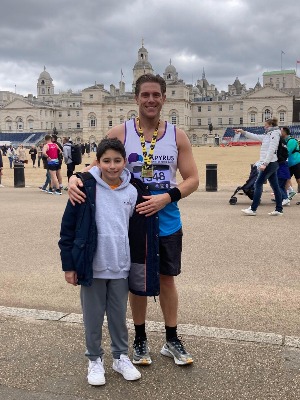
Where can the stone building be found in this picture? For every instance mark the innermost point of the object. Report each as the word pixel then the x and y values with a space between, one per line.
pixel 88 115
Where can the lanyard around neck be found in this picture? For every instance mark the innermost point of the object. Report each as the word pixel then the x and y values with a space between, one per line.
pixel 147 157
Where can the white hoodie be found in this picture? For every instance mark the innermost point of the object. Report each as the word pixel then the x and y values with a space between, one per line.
pixel 113 210
pixel 270 141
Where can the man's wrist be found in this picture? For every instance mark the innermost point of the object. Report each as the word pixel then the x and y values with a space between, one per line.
pixel 175 194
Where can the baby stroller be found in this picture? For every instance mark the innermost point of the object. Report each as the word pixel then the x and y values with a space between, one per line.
pixel 247 188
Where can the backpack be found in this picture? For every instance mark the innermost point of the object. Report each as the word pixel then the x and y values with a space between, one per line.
pixel 282 151
pixel 76 154
pixel 296 149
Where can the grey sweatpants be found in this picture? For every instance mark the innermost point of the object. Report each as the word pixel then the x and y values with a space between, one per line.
pixel 110 296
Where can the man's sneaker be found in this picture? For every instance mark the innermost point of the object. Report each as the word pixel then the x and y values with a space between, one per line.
pixel 291 195
pixel 96 372
pixel 124 366
pixel 248 211
pixel 174 348
pixel 141 353
pixel 58 192
pixel 49 191
pixel 286 202
pixel 276 213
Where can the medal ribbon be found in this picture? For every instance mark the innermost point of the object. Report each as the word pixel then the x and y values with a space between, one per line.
pixel 147 157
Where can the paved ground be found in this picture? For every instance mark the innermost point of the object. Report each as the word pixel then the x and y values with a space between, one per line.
pixel 238 273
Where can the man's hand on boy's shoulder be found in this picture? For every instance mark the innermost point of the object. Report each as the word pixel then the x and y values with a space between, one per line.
pixel 71 277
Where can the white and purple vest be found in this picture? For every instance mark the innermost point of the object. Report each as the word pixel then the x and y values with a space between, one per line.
pixel 165 166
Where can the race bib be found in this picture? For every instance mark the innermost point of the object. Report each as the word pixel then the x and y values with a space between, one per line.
pixel 160 179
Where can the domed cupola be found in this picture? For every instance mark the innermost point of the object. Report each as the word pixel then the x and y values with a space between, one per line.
pixel 170 74
pixel 142 66
pixel 45 87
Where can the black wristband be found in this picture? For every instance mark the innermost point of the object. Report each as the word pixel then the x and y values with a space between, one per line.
pixel 175 194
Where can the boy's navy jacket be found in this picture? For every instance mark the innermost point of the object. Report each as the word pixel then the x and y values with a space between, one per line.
pixel 78 240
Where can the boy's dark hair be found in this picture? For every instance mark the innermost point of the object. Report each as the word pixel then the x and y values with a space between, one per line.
pixel 150 78
pixel 54 137
pixel 110 144
pixel 286 130
pixel 47 137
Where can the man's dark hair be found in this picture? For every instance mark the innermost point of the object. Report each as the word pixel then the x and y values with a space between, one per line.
pixel 54 137
pixel 150 78
pixel 110 144
pixel 286 130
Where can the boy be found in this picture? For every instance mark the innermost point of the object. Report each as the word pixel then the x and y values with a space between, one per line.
pixel 95 253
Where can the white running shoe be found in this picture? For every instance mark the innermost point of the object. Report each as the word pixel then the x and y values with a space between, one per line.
pixel 124 366
pixel 248 211
pixel 275 213
pixel 96 372
pixel 286 202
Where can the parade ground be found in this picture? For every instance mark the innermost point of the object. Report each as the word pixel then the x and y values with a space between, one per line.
pixel 239 298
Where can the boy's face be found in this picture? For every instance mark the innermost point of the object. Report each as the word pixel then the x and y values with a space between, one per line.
pixel 111 165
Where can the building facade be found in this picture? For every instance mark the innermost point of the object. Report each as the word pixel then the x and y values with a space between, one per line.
pixel 88 115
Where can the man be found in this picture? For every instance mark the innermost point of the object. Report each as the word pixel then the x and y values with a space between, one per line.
pixel 67 144
pixel 51 152
pixel 60 159
pixel 155 150
pixel 293 158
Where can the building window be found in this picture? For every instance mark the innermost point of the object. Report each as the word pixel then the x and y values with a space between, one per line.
pixel 110 123
pixel 46 113
pixel 208 121
pixel 241 121
pixel 69 125
pixel 241 107
pixel 41 125
pixel 60 114
pixel 252 118
pixel 173 92
pixel 282 116
pixel 230 121
pixel 78 125
pixel 199 108
pixel 43 91
pixel 219 121
pixel 173 119
pixel 220 107
pixel 30 124
pixel 73 104
pixel 230 107
pixel 91 96
pixel 92 121
pixel 267 114
pixel 47 125
pixel 20 124
pixel 208 108
pixel 77 113
pixel 109 110
pixel 121 120
pixel 199 122
pixel 40 112
pixel 60 125
pixel 51 125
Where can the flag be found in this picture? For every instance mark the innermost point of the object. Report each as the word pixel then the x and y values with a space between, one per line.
pixel 282 52
pixel 122 75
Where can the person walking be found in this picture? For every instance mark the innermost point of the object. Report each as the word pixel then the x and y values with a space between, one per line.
pixel 39 154
pixel 10 155
pixel 95 253
pixel 1 168
pixel 267 166
pixel 22 154
pixel 293 159
pixel 67 147
pixel 33 154
pixel 155 149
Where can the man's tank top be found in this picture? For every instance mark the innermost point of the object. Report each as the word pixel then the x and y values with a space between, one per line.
pixel 52 153
pixel 165 166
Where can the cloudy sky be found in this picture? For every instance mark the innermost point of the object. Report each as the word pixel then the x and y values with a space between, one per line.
pixel 81 42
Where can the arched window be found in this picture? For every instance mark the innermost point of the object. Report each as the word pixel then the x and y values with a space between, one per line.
pixel 132 114
pixel 173 117
pixel 8 124
pixel 20 124
pixel 267 114
pixel 252 117
pixel 92 120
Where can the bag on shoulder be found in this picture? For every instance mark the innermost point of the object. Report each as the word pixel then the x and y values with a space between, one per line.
pixel 296 149
pixel 76 154
pixel 282 151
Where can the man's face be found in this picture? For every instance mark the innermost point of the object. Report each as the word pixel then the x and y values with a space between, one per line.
pixel 283 133
pixel 150 100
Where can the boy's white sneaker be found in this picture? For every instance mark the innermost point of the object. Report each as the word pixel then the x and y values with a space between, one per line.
pixel 248 211
pixel 96 372
pixel 275 213
pixel 286 202
pixel 124 366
